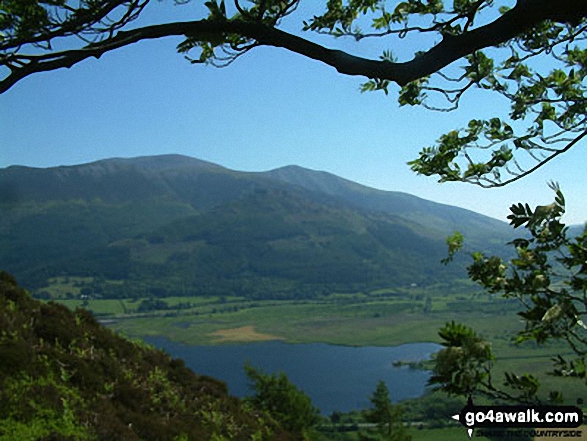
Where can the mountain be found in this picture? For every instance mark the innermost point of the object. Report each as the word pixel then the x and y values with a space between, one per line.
pixel 440 218
pixel 173 224
pixel 118 180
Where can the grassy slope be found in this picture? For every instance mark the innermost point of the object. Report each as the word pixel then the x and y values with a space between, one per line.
pixel 65 377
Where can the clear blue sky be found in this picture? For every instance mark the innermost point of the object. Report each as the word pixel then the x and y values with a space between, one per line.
pixel 269 109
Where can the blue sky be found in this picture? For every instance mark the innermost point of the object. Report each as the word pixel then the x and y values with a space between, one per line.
pixel 269 109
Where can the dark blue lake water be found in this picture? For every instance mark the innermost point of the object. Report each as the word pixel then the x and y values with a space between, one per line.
pixel 335 377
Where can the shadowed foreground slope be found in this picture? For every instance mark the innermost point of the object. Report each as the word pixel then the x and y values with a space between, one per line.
pixel 65 377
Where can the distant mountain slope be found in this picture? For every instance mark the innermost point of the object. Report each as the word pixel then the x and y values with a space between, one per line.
pixel 172 220
pixel 282 238
pixel 429 214
pixel 168 177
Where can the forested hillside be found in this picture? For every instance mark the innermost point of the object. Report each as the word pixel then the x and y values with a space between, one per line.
pixel 174 225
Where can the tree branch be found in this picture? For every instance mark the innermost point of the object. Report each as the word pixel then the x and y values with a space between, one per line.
pixel 525 15
pixel 541 162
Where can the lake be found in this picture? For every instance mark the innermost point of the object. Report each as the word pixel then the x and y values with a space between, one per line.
pixel 335 377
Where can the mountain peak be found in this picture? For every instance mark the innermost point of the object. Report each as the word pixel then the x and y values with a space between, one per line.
pixel 160 162
pixel 226 230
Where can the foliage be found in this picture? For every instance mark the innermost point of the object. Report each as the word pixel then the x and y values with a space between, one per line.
pixel 386 417
pixel 433 407
pixel 152 304
pixel 465 363
pixel 548 276
pixel 63 376
pixel 532 55
pixel 277 396
pixel 540 71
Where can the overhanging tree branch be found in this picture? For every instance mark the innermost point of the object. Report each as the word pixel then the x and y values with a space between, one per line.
pixel 541 163
pixel 525 15
pixel 548 99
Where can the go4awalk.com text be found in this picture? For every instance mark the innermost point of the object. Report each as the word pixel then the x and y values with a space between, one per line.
pixel 490 418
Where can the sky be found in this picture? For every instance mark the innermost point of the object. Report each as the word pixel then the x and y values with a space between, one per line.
pixel 269 109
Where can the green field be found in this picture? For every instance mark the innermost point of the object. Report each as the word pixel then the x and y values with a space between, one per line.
pixel 383 318
pixel 386 317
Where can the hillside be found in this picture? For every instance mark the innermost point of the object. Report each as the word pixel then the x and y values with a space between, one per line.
pixel 438 218
pixel 177 225
pixel 65 377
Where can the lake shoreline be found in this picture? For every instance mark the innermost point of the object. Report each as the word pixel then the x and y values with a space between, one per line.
pixel 336 377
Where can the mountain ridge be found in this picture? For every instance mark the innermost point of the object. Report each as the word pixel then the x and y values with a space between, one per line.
pixel 292 174
pixel 285 229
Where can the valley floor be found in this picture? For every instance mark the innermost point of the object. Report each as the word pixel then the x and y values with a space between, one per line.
pixel 381 318
pixel 386 317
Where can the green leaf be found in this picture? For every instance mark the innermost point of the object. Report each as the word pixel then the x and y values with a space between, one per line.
pixel 455 243
pixel 553 314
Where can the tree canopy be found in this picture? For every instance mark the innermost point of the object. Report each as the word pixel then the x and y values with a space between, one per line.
pixel 277 396
pixel 386 417
pixel 532 53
